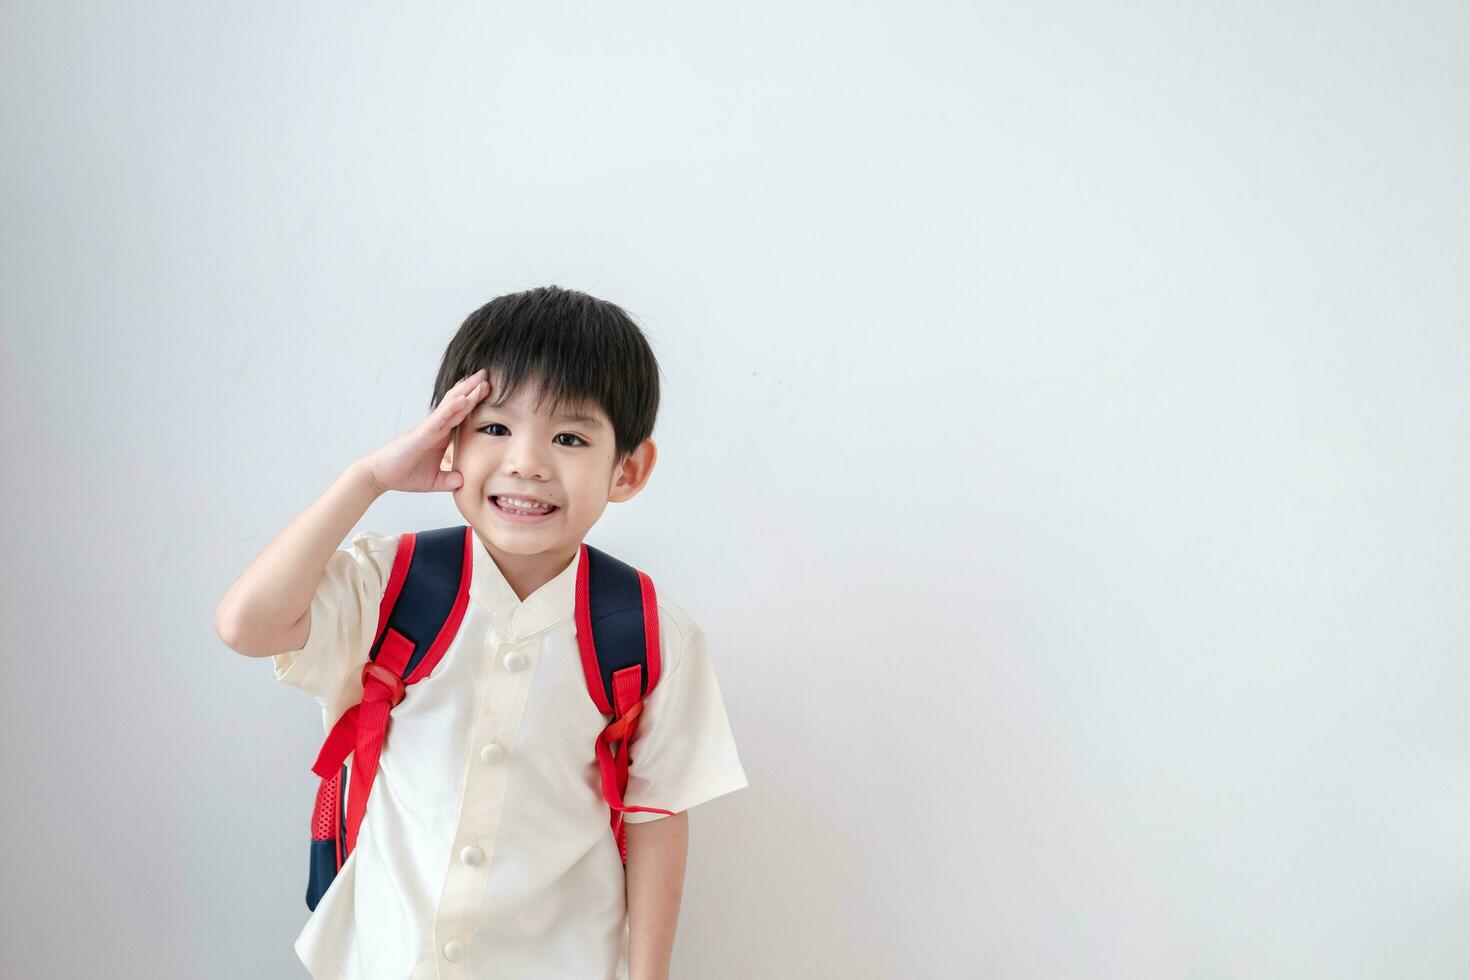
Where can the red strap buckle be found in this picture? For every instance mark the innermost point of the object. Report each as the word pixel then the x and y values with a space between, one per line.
pixel 383 675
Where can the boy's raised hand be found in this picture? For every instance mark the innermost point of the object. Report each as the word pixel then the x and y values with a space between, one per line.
pixel 412 461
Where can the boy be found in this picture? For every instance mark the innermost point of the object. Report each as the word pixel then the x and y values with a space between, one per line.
pixel 485 850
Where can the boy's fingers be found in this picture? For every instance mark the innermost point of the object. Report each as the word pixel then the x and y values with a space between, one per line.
pixel 468 400
pixel 466 385
pixel 455 403
pixel 461 386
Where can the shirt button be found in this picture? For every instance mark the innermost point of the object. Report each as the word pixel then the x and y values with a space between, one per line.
pixel 452 949
pixel 492 753
pixel 514 660
pixel 471 855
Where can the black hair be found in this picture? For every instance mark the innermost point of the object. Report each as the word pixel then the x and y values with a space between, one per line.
pixel 573 347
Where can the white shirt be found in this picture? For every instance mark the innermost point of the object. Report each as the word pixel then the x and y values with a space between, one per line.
pixel 485 851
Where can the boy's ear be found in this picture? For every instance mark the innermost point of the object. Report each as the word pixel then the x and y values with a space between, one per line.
pixel 630 475
pixel 447 463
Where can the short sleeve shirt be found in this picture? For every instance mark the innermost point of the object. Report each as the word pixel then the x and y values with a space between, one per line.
pixel 485 850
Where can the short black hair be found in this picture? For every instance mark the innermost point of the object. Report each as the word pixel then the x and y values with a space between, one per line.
pixel 573 347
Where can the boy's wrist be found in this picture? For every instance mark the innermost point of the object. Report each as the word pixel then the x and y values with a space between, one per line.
pixel 362 475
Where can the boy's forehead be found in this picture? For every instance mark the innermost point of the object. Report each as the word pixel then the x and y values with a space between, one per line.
pixel 587 412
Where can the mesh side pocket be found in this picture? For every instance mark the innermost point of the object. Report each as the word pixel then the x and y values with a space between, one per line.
pixel 324 817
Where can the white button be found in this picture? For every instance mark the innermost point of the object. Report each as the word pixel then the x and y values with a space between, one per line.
pixel 492 753
pixel 471 855
pixel 514 660
pixel 452 949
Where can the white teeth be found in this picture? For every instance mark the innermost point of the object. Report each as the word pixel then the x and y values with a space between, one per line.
pixel 520 503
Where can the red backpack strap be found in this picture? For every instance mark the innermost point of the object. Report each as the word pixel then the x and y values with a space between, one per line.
pixel 617 633
pixel 423 605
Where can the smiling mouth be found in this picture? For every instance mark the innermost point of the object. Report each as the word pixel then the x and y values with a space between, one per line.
pixel 519 513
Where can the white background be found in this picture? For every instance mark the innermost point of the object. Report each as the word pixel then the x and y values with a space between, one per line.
pixel 1063 446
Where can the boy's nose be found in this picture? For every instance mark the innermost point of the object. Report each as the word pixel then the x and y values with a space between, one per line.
pixel 526 462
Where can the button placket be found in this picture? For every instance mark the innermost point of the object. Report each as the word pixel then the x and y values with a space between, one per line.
pixel 501 706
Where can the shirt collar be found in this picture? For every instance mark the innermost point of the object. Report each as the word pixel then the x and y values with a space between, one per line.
pixel 550 604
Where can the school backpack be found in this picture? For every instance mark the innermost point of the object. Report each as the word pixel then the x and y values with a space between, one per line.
pixel 424 601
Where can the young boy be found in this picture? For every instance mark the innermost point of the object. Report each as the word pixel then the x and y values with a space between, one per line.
pixel 485 850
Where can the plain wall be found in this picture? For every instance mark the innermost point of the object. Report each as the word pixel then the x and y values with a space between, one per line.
pixel 1063 447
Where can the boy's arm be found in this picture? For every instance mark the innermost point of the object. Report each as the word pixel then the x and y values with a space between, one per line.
pixel 268 609
pixel 657 851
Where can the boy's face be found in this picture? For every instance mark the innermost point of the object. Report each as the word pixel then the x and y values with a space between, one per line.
pixel 568 461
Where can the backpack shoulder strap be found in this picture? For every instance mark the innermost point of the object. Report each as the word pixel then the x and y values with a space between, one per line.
pixel 423 605
pixel 616 612
pixel 424 602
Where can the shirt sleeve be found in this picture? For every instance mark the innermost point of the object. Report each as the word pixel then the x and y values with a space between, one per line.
pixel 344 619
pixel 683 752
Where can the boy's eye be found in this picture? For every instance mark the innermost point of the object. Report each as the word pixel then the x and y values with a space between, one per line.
pixel 496 425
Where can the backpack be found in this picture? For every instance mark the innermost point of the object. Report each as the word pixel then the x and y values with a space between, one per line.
pixel 616 614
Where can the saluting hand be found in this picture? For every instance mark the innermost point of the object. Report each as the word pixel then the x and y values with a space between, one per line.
pixel 412 461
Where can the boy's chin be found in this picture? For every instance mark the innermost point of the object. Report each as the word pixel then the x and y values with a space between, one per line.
pixel 522 545
pixel 514 540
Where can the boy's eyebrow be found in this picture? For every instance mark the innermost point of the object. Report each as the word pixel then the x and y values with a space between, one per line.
pixel 575 418
pixel 582 419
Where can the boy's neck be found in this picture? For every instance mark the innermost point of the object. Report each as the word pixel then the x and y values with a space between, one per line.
pixel 527 573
